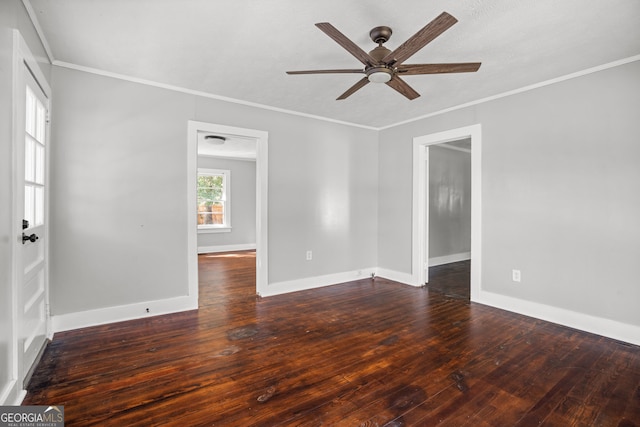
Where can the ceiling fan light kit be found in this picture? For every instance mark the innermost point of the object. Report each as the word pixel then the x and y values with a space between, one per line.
pixel 379 74
pixel 382 65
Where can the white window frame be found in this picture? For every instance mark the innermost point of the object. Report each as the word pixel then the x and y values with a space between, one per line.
pixel 226 226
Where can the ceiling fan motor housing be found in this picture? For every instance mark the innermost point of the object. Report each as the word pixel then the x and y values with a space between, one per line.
pixel 379 72
pixel 380 34
pixel 378 53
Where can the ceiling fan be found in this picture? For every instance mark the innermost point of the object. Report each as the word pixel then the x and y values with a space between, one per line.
pixel 384 66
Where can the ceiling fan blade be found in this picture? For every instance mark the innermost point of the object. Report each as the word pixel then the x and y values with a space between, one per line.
pixel 360 84
pixel 347 44
pixel 359 71
pixel 420 39
pixel 413 69
pixel 401 86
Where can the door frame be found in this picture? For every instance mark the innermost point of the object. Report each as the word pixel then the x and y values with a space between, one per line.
pixel 262 256
pixel 23 62
pixel 420 208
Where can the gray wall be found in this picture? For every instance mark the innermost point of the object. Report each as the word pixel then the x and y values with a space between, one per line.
pixel 12 16
pixel 449 202
pixel 243 203
pixel 561 190
pixel 560 193
pixel 119 180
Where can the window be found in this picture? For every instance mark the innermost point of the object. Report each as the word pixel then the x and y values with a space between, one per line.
pixel 35 122
pixel 213 200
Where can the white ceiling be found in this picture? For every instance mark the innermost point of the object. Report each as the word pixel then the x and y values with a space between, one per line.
pixel 233 146
pixel 240 49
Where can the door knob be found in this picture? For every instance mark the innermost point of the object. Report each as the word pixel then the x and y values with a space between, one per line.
pixel 31 238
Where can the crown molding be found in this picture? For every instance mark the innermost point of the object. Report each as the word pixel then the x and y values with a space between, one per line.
pixel 201 93
pixel 522 89
pixel 36 25
pixel 53 61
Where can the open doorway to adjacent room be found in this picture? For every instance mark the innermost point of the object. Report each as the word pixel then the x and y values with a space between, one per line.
pixel 447 209
pixel 228 200
pixel 449 217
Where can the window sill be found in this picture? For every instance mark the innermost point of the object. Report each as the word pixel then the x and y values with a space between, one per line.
pixel 202 230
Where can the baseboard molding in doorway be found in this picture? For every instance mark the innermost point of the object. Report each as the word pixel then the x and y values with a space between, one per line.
pixel 397 276
pixel 447 259
pixel 226 248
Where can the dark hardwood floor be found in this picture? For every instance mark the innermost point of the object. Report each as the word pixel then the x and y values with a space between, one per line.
pixel 364 353
pixel 451 279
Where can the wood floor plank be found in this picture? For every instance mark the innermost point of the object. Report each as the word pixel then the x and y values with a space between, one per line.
pixel 475 383
pixel 524 389
pixel 405 372
pixel 367 352
pixel 571 375
pixel 461 360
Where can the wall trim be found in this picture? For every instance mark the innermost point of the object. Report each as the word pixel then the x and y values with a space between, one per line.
pixel 570 76
pixel 203 94
pixel 447 259
pixel 12 394
pixel 226 248
pixel 34 20
pixel 315 282
pixel 538 85
pixel 584 322
pixel 396 276
pixel 101 316
pixel 33 16
pixel 580 321
pixel 104 73
pixel 572 319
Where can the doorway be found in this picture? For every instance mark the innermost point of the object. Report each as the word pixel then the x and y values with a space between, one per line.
pixel 420 229
pixel 30 216
pixel 448 209
pixel 260 141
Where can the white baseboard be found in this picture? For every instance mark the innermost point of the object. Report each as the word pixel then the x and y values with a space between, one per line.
pixel 12 394
pixel 409 279
pixel 101 316
pixel 20 398
pixel 396 276
pixel 584 322
pixel 446 259
pixel 316 282
pixel 226 248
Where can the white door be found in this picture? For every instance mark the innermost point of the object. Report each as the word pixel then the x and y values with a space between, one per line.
pixel 32 286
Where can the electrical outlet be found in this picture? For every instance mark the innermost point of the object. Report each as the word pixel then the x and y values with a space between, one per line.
pixel 516 276
pixel 309 255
